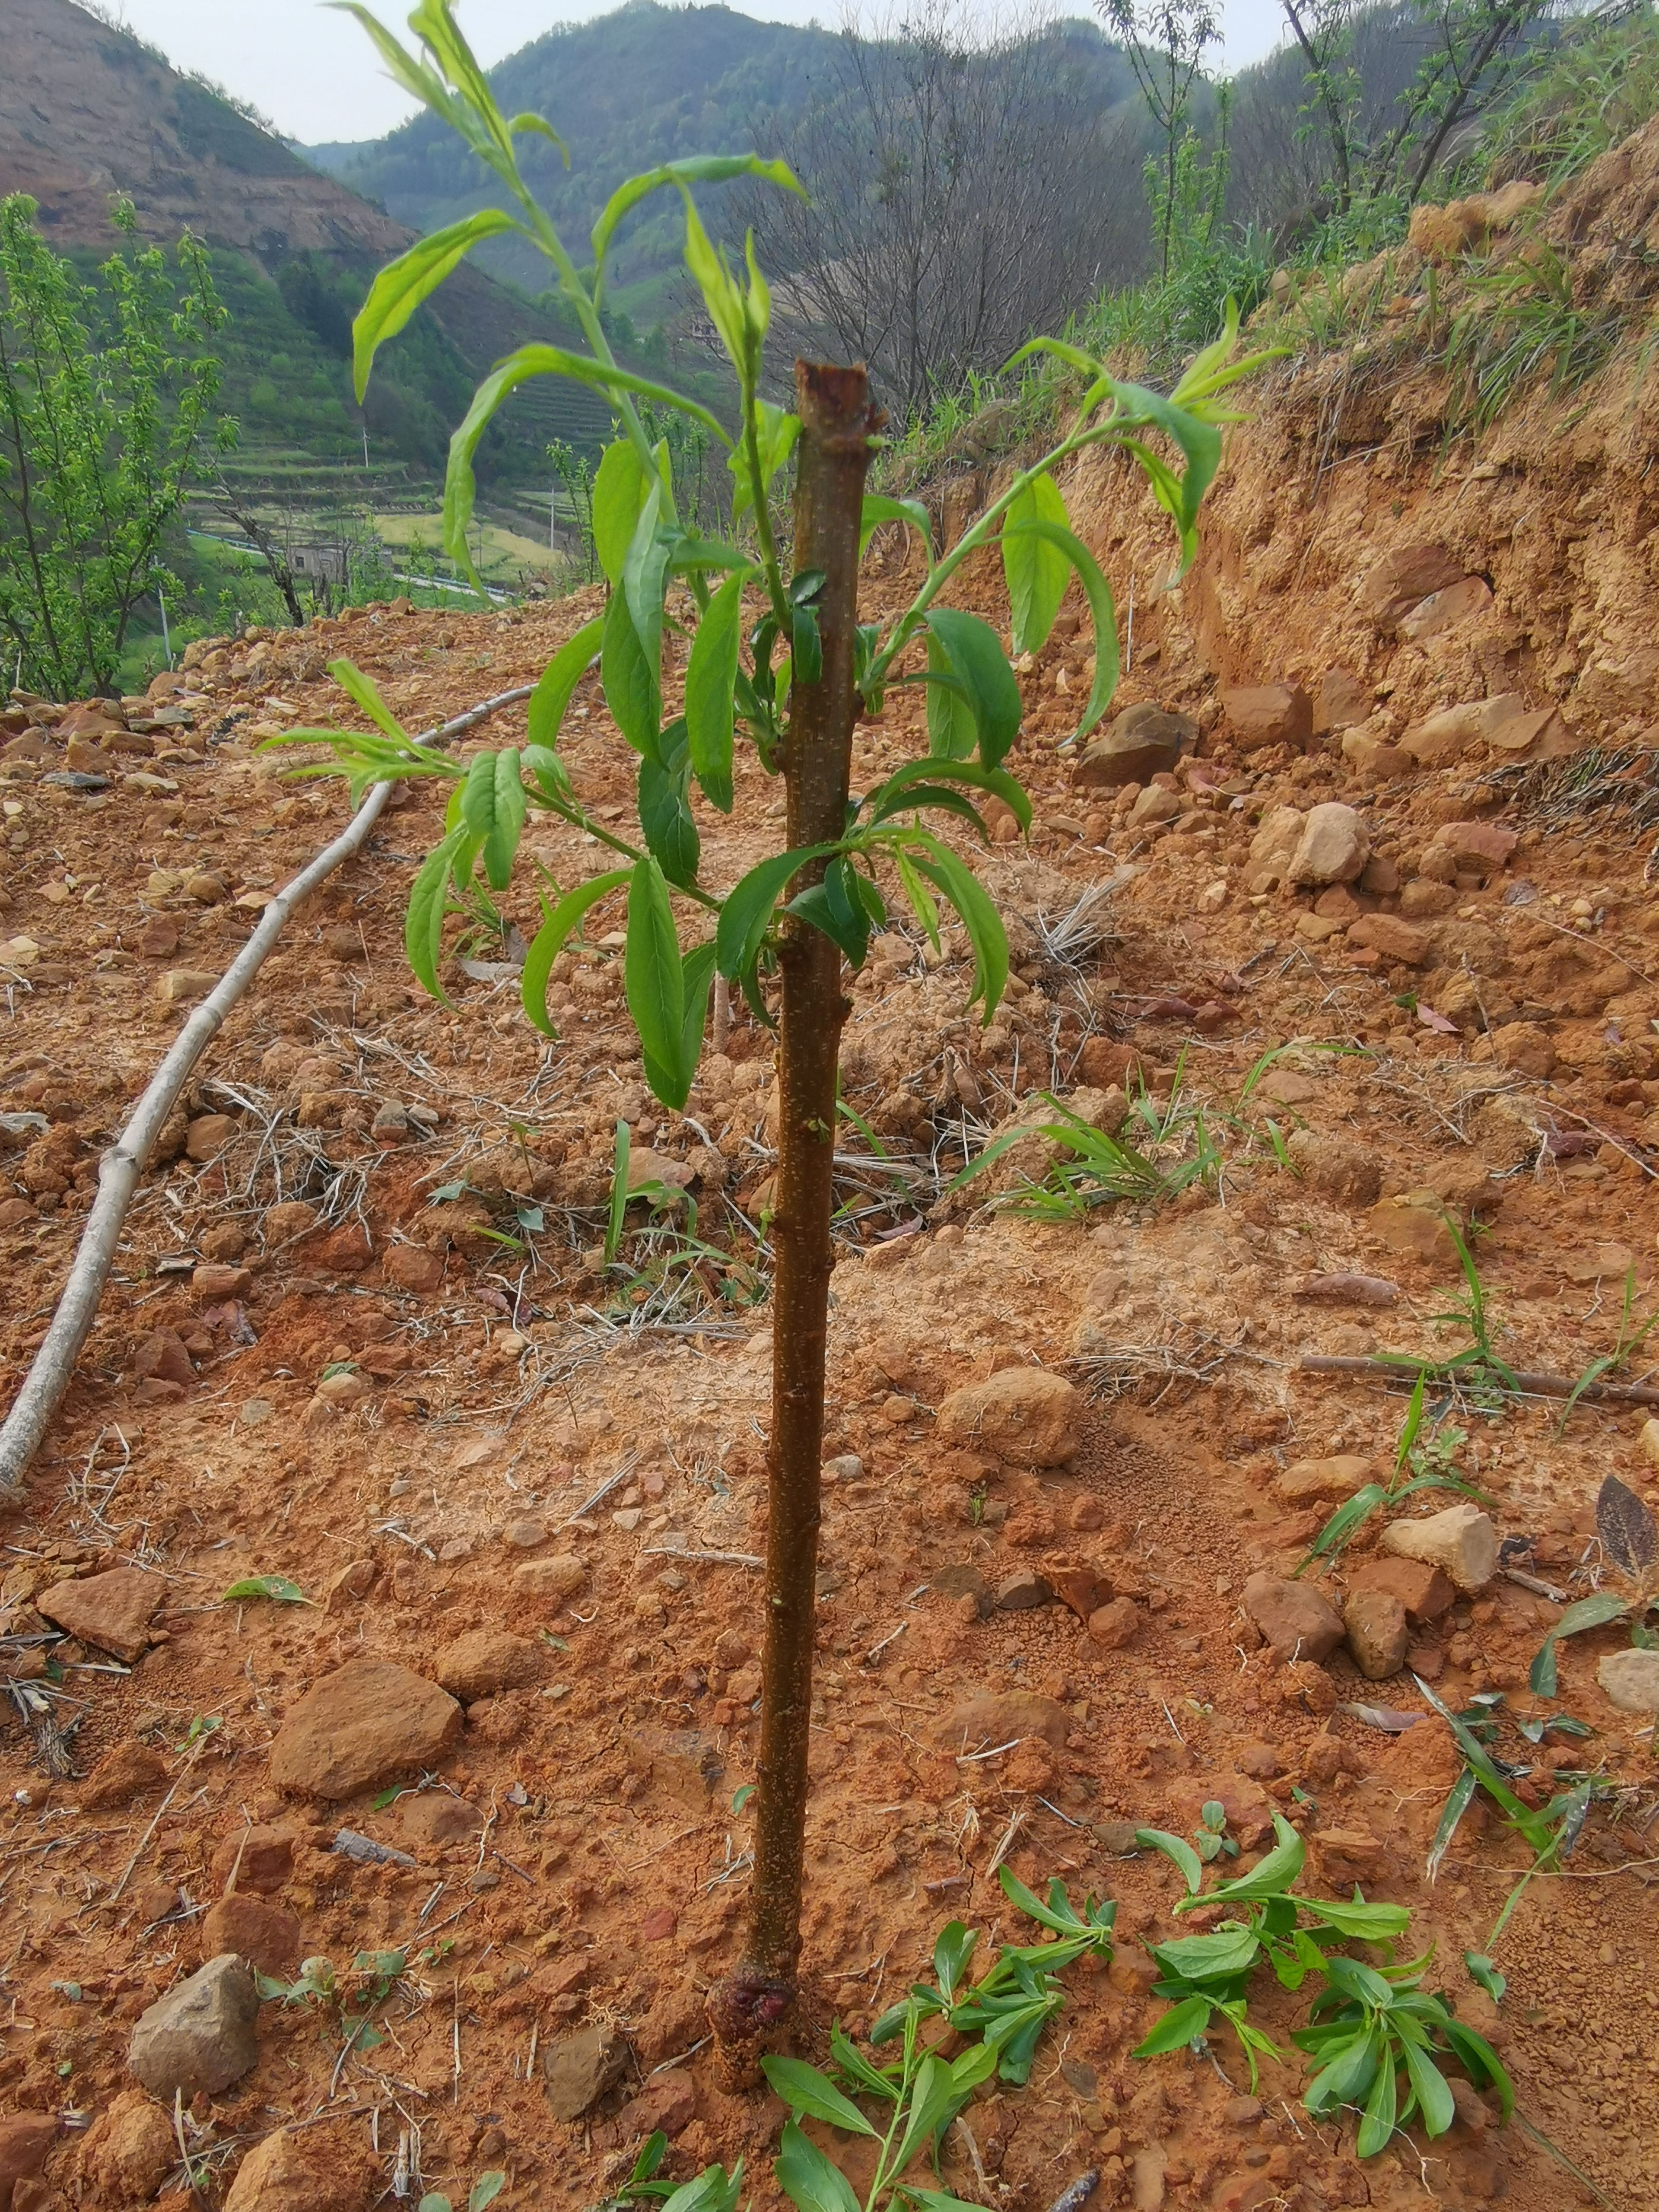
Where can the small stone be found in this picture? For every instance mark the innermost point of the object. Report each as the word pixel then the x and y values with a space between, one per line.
pixel 216 1284
pixel 1312 1482
pixel 1141 743
pixel 413 1267
pixel 684 1763
pixel 266 1935
pixel 16 1213
pixel 301 2171
pixel 1421 1588
pixel 964 1582
pixel 668 2103
pixel 1479 848
pixel 1076 1584
pixel 391 1123
pixel 112 1612
pixel 1116 1623
pixel 1343 1289
pixel 1022 1590
pixel 1272 849
pixel 1414 1222
pixel 254 1412
pixel 367 1721
pixel 1394 938
pixel 1333 848
pixel 183 987
pixel 846 1467
pixel 1295 1620
pixel 162 1354
pixel 1268 714
pixel 292 1219
pixel 257 1859
pixel 552 1579
pixel 525 1534
pixel 208 1135
pixel 1649 1442
pixel 1335 1167
pixel 1404 579
pixel 129 1771
pixel 158 936
pixel 1377 1632
pixel 1461 1541
pixel 1023 1415
pixel 1630 1680
pixel 199 2037
pixel 486 1661
pixel 130 2149
pixel 577 2070
pixel 1002 1717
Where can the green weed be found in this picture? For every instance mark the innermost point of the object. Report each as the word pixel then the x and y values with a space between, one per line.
pixel 1430 1464
pixel 1135 1166
pixel 1631 1340
pixel 1520 321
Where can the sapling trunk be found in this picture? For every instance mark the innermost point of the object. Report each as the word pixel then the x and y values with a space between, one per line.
pixel 836 420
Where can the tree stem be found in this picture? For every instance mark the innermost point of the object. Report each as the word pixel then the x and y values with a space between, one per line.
pixel 836 422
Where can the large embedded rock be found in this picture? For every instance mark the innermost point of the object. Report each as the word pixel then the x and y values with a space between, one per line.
pixel 199 2036
pixel 1268 714
pixel 1404 579
pixel 367 1722
pixel 1022 1414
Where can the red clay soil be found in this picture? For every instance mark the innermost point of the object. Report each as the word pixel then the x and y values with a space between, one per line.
pixel 360 1336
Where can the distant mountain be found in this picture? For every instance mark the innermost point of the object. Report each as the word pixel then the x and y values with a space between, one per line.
pixel 626 91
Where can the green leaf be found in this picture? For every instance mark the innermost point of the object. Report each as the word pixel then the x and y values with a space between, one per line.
pixel 665 809
pixel 721 294
pixel 557 923
pixel 402 285
pixel 697 169
pixel 1457 1803
pixel 878 509
pixel 630 678
pixel 486 2189
pixel 742 1794
pixel 492 809
pixel 1275 1873
pixel 1594 1612
pixel 1217 1958
pixel 1376 2125
pixel 432 2202
pixel 1036 569
pixel 654 983
pixel 895 796
pixel 951 1954
pixel 620 484
pixel 498 387
pixel 986 934
pixel 1101 611
pixel 1357 1921
pixel 1176 1849
pixel 836 907
pixel 428 901
pixel 807 2177
pixel 274 1586
pixel 940 2200
pixel 747 912
pixel 1347 2075
pixel 1434 2097
pixel 1177 2028
pixel 969 650
pixel 698 973
pixel 775 435
pixel 952 732
pixel 548 702
pixel 804 2089
pixel 1348 1517
pixel 711 678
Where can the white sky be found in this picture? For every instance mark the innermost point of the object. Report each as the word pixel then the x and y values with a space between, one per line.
pixel 315 74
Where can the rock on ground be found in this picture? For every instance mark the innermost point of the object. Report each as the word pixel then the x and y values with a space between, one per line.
pixel 1334 847
pixel 129 1771
pixel 1296 1622
pixel 1022 1414
pixel 112 1611
pixel 129 2150
pixel 321 2170
pixel 1424 1590
pixel 1377 1632
pixel 25 2139
pixel 199 2036
pixel 1462 1541
pixel 1314 1481
pixel 370 1720
pixel 1141 743
pixel 577 2070
pixel 267 1935
pixel 1630 1680
pixel 1335 1167
pixel 486 1660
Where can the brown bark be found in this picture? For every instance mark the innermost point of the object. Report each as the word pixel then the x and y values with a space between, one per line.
pixel 834 452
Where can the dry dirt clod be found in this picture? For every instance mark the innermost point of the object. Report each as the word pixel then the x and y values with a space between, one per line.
pixel 266 1935
pixel 112 1612
pixel 200 2036
pixel 1022 1414
pixel 486 1661
pixel 1296 1621
pixel 577 2070
pixel 1630 1680
pixel 1377 1632
pixel 317 2170
pixel 25 2139
pixel 368 1721
pixel 129 2149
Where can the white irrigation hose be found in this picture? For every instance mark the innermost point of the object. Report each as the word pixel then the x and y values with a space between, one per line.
pixel 123 1163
